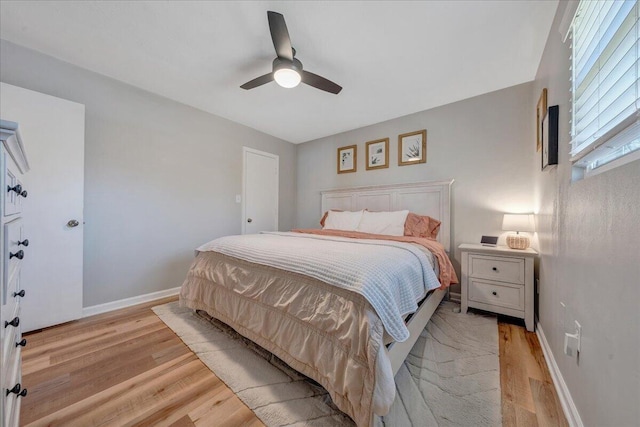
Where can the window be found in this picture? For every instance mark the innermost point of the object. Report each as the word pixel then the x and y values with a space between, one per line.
pixel 605 85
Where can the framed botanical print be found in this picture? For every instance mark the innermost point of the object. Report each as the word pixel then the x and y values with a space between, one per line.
pixel 347 159
pixel 541 111
pixel 377 154
pixel 412 148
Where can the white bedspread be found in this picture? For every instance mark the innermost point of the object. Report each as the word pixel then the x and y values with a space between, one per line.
pixel 392 276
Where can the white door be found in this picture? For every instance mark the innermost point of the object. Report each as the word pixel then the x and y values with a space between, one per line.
pixel 259 191
pixel 53 134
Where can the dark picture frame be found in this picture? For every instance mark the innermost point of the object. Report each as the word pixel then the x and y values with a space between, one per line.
pixel 549 153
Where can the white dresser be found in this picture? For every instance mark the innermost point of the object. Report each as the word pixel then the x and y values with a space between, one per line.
pixel 14 247
pixel 498 279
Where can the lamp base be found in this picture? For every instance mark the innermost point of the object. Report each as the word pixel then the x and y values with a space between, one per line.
pixel 518 241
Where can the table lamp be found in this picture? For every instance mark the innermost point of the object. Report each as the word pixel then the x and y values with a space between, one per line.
pixel 518 223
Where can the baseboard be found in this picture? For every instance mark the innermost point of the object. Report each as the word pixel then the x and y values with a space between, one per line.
pixel 569 408
pixel 454 296
pixel 128 302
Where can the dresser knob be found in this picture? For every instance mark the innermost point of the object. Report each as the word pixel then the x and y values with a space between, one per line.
pixel 24 194
pixel 494 293
pixel 22 343
pixel 23 393
pixel 25 242
pixel 15 322
pixel 19 294
pixel 19 254
pixel 17 189
pixel 495 268
pixel 16 389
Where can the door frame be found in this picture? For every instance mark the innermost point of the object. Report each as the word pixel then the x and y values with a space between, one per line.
pixel 245 152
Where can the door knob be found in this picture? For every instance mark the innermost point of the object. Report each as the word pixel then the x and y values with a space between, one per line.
pixel 249 220
pixel 72 223
pixel 16 188
pixel 21 343
pixel 25 242
pixel 19 254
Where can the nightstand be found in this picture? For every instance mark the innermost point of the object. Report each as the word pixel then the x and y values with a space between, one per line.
pixel 498 279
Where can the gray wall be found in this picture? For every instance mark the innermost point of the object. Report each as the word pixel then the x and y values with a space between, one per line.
pixel 589 259
pixel 160 177
pixel 484 143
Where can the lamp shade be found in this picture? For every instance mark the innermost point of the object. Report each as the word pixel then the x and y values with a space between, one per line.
pixel 518 222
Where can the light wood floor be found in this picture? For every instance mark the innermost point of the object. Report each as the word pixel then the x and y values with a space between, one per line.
pixel 528 395
pixel 127 368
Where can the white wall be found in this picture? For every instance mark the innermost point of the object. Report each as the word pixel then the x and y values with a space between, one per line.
pixel 160 177
pixel 590 259
pixel 484 143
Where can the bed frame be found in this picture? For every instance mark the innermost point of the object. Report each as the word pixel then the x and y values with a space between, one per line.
pixel 424 198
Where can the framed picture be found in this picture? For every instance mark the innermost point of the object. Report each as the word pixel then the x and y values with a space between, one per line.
pixel 412 148
pixel 347 159
pixel 377 154
pixel 541 112
pixel 550 137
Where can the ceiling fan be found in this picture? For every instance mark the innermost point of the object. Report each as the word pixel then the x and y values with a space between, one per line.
pixel 287 70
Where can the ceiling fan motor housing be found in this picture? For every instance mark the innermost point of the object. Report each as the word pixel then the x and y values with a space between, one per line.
pixel 280 63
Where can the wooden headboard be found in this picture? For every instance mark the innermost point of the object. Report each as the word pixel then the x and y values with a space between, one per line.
pixel 424 198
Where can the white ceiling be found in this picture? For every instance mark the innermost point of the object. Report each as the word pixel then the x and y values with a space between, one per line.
pixel 391 58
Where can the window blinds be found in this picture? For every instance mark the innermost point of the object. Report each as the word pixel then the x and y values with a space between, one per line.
pixel 605 81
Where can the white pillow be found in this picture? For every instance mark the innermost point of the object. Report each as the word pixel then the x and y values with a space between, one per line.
pixel 345 221
pixel 388 223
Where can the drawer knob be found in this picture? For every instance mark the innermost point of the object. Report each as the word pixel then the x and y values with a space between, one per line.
pixel 22 343
pixel 494 293
pixel 15 322
pixel 495 268
pixel 19 254
pixel 17 189
pixel 72 223
pixel 25 242
pixel 19 294
pixel 24 194
pixel 16 389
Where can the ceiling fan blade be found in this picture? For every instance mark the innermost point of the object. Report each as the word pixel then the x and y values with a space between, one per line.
pixel 280 35
pixel 258 81
pixel 320 82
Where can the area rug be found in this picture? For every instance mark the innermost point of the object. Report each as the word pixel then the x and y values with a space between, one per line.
pixel 450 378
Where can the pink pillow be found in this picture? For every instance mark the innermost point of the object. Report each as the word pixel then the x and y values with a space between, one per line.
pixel 421 226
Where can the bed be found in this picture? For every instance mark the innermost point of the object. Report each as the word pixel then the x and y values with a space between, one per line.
pixel 328 303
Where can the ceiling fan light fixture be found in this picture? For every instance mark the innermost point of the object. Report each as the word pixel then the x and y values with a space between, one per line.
pixel 286 68
pixel 287 77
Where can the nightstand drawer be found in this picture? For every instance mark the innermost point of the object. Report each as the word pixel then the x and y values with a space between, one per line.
pixel 503 269
pixel 496 293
